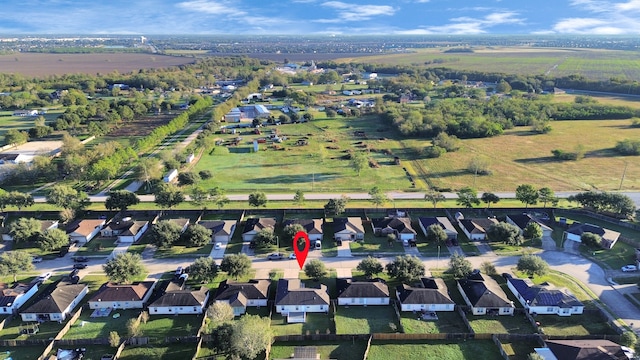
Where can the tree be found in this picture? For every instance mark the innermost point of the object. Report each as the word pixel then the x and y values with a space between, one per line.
pixel 450 143
pixel 219 312
pixel 378 197
pixel 15 137
pixel 488 268
pixel 188 178
pixel 436 234
pixel 628 339
pixel 615 204
pixel 265 237
pixel 114 339
pixel 14 263
pixel 535 356
pixel 532 265
pixel 315 269
pixel 591 239
pixel 459 266
pixel 504 232
pixel 123 267
pixel 532 231
pixel 25 230
pixel 196 235
pixel 257 199
pixel 290 231
pixel 66 197
pixel 503 87
pixel 467 197
pixel 121 200
pixel 298 198
pixel 251 336
pixel 221 337
pixel 406 268
pixel 168 196
pixel 199 195
pixel 546 195
pixel 218 197
pixel 17 199
pixel 203 270
pixel 165 233
pixel 527 194
pixel 336 206
pixel 148 169
pixel 133 328
pixel 359 162
pixel 489 198
pixel 434 197
pixel 53 239
pixel 370 266
pixel 236 265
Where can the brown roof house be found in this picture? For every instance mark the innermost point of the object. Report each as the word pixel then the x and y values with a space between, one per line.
pixel 399 226
pixel 294 300
pixel 84 230
pixel 125 296
pixel 362 292
pixel 177 299
pixel 575 231
pixel 56 305
pixel 313 227
pixel 432 295
pixel 126 229
pixel 349 228
pixel 254 225
pixel 592 349
pixel 221 230
pixel 254 293
pixel 476 229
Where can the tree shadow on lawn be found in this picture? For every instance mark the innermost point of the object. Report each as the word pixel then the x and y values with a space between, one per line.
pixel 300 178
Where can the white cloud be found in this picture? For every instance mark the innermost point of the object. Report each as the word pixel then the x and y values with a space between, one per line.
pixel 211 7
pixel 353 12
pixel 608 18
pixel 468 25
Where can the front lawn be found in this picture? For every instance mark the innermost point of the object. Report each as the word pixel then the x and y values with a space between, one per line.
pixel 575 325
pixel 375 244
pixel 181 250
pixel 317 323
pixel 366 320
pixel 503 324
pixel 87 327
pixel 449 322
pixel 347 350
pixel 100 246
pixel 441 350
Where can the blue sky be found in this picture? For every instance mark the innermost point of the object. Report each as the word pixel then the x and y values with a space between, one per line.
pixel 306 17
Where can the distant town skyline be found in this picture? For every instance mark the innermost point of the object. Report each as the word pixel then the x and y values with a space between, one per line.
pixel 306 17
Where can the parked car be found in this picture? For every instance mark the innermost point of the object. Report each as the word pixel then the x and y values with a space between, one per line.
pixel 629 268
pixel 79 266
pixel 275 256
pixel 218 246
pixel 80 259
pixel 179 271
pixel 36 259
pixel 44 277
pixel 292 256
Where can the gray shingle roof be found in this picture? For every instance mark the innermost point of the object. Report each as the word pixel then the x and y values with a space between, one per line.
pixel 434 292
pixel 484 294
pixel 290 292
pixel 362 289
pixel 539 295
pixel 254 290
pixel 58 300
pixel 182 298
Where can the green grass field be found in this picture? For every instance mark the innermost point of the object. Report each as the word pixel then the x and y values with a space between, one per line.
pixel 483 324
pixel 339 351
pixel 443 350
pixel 174 351
pixel 448 322
pixel 366 320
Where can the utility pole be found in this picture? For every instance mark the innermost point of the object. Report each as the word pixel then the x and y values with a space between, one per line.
pixel 624 172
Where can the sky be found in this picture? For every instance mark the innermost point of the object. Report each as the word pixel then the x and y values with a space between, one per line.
pixel 307 17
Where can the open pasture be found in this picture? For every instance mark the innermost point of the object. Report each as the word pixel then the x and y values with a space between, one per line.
pixel 596 64
pixel 36 64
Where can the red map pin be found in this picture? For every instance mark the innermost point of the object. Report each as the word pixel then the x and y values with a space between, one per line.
pixel 301 255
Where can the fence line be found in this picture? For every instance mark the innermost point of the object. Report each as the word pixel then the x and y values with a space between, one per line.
pixel 366 351
pixel 6 321
pixel 500 347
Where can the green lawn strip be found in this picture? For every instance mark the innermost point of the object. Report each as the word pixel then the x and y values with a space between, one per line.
pixel 436 349
pixel 527 246
pixel 33 249
pixel 46 330
pixel 366 320
pixel 345 350
pixel 87 327
pixel 627 279
pixel 576 325
pixel 21 353
pixel 181 250
pixel 161 326
pixel 100 246
pixel 317 323
pixel 448 322
pixel 519 349
pixel 221 276
pixel 167 352
pixel 374 244
pixel 505 324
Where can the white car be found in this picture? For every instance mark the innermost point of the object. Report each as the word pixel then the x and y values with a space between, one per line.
pixel 218 246
pixel 292 256
pixel 44 277
pixel 36 259
pixel 629 268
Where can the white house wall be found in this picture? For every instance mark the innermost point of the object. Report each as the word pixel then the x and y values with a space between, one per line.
pixel 116 304
pixel 286 309
pixel 363 301
pixel 173 310
pixel 427 307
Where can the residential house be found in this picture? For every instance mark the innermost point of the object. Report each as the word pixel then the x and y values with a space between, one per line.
pixel 183 223
pixel 431 296
pixel 233 116
pixel 484 295
pixel 254 225
pixel 176 300
pixel 56 305
pixel 589 349
pixel 522 220
pixel 12 298
pixel 544 299
pixel 170 176
pixel 362 292
pixel 84 230
pixel 221 230
pixel 254 293
pixel 445 224
pixel 349 228
pixel 575 231
pixel 294 301
pixel 126 229
pixel 476 229
pixel 125 296
pixel 398 226
pixel 313 227
pixel 44 226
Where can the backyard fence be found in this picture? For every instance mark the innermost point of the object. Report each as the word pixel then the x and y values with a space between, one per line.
pixel 366 351
pixel 69 323
pixel 5 321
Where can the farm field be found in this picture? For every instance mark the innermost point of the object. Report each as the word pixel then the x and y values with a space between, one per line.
pixel 597 64
pixel 36 64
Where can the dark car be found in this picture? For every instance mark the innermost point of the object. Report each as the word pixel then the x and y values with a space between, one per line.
pixel 79 266
pixel 80 259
